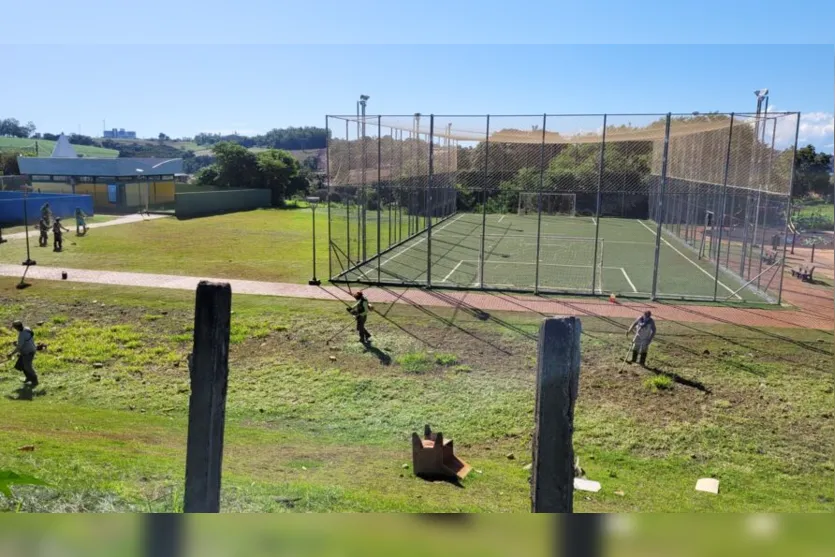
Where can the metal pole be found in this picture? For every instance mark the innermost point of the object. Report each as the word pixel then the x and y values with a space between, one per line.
pixel 428 212
pixel 364 198
pixel 379 197
pixel 484 202
pixel 724 196
pixel 347 198
pixel 539 203
pixel 768 185
pixel 660 206
pixel 597 207
pixel 788 211
pixel 315 281
pixel 328 186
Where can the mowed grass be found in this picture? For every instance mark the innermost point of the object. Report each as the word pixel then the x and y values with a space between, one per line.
pixel 325 427
pixel 45 147
pixel 267 244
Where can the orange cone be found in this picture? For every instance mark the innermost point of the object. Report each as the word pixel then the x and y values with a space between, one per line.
pixel 612 298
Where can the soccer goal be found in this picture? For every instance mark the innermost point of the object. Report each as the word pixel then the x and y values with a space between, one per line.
pixel 552 203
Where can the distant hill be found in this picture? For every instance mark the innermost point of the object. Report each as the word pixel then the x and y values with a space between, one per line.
pixel 44 147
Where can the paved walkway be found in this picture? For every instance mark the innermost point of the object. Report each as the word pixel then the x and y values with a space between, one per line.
pixel 821 318
pixel 127 219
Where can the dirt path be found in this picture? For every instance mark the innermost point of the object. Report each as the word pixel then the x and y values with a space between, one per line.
pixel 127 219
pixel 815 308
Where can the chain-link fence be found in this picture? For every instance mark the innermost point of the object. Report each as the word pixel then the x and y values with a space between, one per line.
pixel 645 205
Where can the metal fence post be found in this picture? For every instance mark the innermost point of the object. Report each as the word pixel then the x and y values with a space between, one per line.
pixel 660 207
pixel 724 199
pixel 328 189
pixel 767 200
pixel 484 202
pixel 429 201
pixel 597 208
pixel 379 195
pixel 788 212
pixel 347 198
pixel 539 203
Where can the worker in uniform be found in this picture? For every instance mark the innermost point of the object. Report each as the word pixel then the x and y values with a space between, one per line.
pixel 57 235
pixel 360 311
pixel 25 349
pixel 644 328
pixel 43 228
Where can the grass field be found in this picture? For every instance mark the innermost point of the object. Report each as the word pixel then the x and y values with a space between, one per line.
pixel 267 244
pixel 45 147
pixel 328 426
pixel 33 230
pixel 568 262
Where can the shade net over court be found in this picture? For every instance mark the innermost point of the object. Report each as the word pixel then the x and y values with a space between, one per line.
pixel 658 206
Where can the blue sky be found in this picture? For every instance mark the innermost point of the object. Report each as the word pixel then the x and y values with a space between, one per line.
pixel 182 89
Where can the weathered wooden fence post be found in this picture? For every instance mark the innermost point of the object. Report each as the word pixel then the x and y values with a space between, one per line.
pixel 209 371
pixel 163 535
pixel 557 376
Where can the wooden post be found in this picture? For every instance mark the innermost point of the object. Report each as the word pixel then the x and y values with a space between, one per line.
pixel 163 535
pixel 557 377
pixel 209 371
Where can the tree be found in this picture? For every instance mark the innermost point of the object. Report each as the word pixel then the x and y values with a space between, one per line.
pixel 812 172
pixel 29 128
pixel 236 166
pixel 163 137
pixel 279 172
pixel 207 176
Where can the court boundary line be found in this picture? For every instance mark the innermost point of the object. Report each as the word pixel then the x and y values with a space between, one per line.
pixel 401 252
pixel 738 297
pixel 626 276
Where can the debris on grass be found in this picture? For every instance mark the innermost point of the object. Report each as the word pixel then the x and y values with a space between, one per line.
pixel 582 484
pixel 27 448
pixel 708 485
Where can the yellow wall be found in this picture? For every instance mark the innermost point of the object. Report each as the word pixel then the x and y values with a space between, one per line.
pixel 98 191
pixel 162 192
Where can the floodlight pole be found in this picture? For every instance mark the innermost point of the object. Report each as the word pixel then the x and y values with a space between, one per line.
pixel 314 201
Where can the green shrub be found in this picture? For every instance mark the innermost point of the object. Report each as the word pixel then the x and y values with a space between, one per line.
pixel 658 383
pixel 415 362
pixel 446 359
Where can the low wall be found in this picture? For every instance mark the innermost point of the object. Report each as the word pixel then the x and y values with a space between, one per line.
pixel 12 206
pixel 190 205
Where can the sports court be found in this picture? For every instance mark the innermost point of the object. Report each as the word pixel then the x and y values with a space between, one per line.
pixel 570 261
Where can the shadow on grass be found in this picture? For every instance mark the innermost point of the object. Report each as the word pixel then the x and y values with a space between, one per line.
pixel 26 393
pixel 681 380
pixel 384 358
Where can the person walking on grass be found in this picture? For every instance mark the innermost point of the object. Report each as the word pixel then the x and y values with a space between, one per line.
pixel 57 235
pixel 360 312
pixel 25 350
pixel 644 328
pixel 46 213
pixel 80 222
pixel 43 228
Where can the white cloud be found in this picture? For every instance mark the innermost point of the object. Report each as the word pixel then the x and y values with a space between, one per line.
pixel 816 128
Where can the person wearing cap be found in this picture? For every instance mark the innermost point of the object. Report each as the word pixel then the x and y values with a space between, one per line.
pixel 360 311
pixel 644 328
pixel 57 235
pixel 25 350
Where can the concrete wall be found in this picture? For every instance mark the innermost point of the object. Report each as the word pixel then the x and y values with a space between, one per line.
pixel 11 206
pixel 189 205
